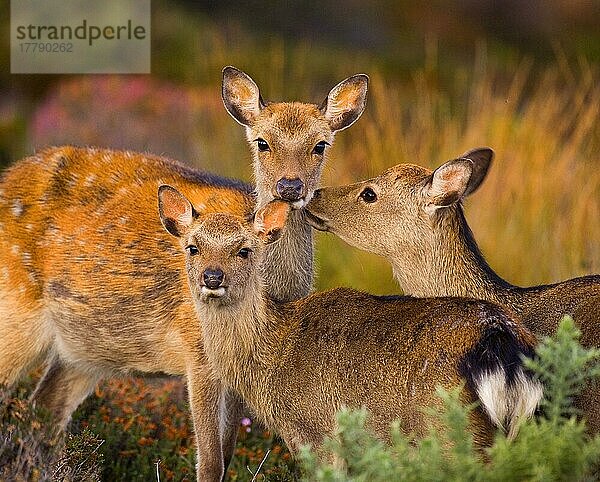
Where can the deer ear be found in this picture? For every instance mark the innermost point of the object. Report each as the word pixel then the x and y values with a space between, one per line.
pixel 176 212
pixel 482 159
pixel 270 220
pixel 447 184
pixel 346 102
pixel 241 96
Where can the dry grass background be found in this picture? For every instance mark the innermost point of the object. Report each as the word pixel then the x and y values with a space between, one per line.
pixel 536 217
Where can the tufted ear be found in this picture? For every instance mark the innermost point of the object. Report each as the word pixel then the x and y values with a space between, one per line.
pixel 346 102
pixel 482 159
pixel 447 184
pixel 270 220
pixel 241 96
pixel 176 211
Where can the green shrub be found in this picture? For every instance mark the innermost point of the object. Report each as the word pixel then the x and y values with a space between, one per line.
pixel 552 447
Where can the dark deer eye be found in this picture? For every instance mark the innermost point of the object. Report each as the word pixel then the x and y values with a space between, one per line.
pixel 320 147
pixel 368 195
pixel 262 145
pixel 192 250
pixel 244 253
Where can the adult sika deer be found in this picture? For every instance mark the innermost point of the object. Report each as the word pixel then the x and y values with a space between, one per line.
pixel 91 284
pixel 297 363
pixel 414 218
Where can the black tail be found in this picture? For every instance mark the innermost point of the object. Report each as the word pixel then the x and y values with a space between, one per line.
pixel 494 370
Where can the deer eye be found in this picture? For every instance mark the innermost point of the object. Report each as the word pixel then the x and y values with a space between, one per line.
pixel 368 195
pixel 320 147
pixel 192 250
pixel 244 253
pixel 262 145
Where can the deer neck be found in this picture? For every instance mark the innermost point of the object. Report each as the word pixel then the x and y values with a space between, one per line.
pixel 241 340
pixel 288 265
pixel 450 264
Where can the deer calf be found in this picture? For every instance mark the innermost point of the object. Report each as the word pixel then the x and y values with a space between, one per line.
pixel 414 218
pixel 90 283
pixel 297 363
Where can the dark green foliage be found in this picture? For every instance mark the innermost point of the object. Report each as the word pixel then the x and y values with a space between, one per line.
pixel 121 433
pixel 81 460
pixel 260 452
pixel 28 449
pixel 146 421
pixel 143 422
pixel 563 366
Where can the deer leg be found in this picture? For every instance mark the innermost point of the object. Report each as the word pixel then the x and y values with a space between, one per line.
pixel 62 388
pixel 209 415
pixel 234 408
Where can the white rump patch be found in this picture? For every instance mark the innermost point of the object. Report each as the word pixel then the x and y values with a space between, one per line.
pixel 507 407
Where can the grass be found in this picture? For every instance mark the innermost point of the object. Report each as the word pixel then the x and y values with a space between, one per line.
pixel 128 429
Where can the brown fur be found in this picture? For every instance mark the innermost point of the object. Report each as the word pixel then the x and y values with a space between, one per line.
pixel 92 284
pixel 291 130
pixel 297 363
pixel 418 224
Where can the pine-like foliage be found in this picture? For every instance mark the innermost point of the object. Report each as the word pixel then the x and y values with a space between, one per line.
pixel 551 447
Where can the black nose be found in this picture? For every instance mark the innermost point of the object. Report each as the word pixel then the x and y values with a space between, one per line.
pixel 213 278
pixel 290 189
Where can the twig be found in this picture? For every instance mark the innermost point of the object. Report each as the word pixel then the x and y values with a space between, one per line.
pixel 157 471
pixel 90 454
pixel 254 475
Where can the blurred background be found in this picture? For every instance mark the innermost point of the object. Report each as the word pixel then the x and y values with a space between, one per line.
pixel 521 77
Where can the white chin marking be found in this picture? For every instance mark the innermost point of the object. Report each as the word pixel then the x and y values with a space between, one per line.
pixel 299 204
pixel 213 293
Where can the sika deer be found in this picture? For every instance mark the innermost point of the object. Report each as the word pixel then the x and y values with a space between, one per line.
pixel 297 363
pixel 414 218
pixel 289 141
pixel 90 282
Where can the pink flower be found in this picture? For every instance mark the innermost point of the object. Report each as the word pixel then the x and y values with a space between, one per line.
pixel 246 422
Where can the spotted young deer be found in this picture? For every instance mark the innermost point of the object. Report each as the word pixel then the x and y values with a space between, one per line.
pixel 414 218
pixel 90 282
pixel 297 363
